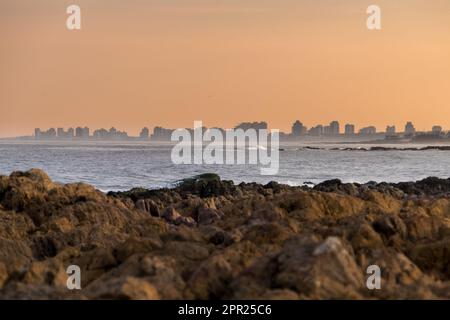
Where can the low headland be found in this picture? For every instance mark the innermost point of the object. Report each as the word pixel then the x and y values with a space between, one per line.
pixel 211 239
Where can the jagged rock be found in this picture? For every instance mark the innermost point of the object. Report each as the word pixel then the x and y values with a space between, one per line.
pixel 207 185
pixel 162 272
pixel 221 237
pixel 208 215
pixel 171 215
pixel 329 185
pixel 430 186
pixel 390 225
pixel 141 205
pixel 211 278
pixel 188 221
pixel 366 237
pixel 3 274
pixel 304 267
pixel 149 206
pixel 319 270
pixel 433 257
pixel 209 238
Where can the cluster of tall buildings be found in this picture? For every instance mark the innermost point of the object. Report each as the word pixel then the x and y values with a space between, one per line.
pixel 79 133
pixel 333 129
pixel 298 129
pixel 111 134
pixel 163 134
pixel 60 133
pixel 159 133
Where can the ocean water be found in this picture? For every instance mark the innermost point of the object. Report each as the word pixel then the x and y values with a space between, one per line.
pixel 124 165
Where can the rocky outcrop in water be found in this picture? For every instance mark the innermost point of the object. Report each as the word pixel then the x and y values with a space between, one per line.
pixel 211 239
pixel 381 148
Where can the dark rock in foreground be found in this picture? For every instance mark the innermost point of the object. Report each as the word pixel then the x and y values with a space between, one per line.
pixel 211 239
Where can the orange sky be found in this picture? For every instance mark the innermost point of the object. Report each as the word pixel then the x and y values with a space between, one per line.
pixel 142 63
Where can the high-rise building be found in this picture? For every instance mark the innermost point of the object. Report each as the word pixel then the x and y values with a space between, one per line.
pixel 112 131
pixel 49 134
pixel 317 130
pixel 334 128
pixel 349 129
pixel 144 134
pixel 298 129
pixel 252 125
pixel 368 130
pixel 78 132
pixel 161 134
pixel 62 134
pixel 85 132
pixel 436 130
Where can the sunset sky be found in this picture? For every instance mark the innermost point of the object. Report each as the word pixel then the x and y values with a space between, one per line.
pixel 142 63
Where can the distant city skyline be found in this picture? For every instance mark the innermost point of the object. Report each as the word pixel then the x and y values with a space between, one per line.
pixel 343 127
pixel 168 63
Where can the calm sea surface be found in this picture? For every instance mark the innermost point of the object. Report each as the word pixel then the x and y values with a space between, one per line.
pixel 124 165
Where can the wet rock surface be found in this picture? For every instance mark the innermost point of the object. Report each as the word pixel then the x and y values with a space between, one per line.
pixel 212 239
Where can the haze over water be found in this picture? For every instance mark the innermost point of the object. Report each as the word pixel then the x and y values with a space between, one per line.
pixel 125 165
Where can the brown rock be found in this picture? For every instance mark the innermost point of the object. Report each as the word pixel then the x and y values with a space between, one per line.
pixel 250 242
pixel 208 215
pixel 170 214
pixel 319 270
pixel 123 288
pixel 3 274
pixel 366 237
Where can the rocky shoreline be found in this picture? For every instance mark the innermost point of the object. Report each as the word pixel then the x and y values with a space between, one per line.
pixel 212 239
pixel 381 148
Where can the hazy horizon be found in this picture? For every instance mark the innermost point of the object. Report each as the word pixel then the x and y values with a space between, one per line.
pixel 143 63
